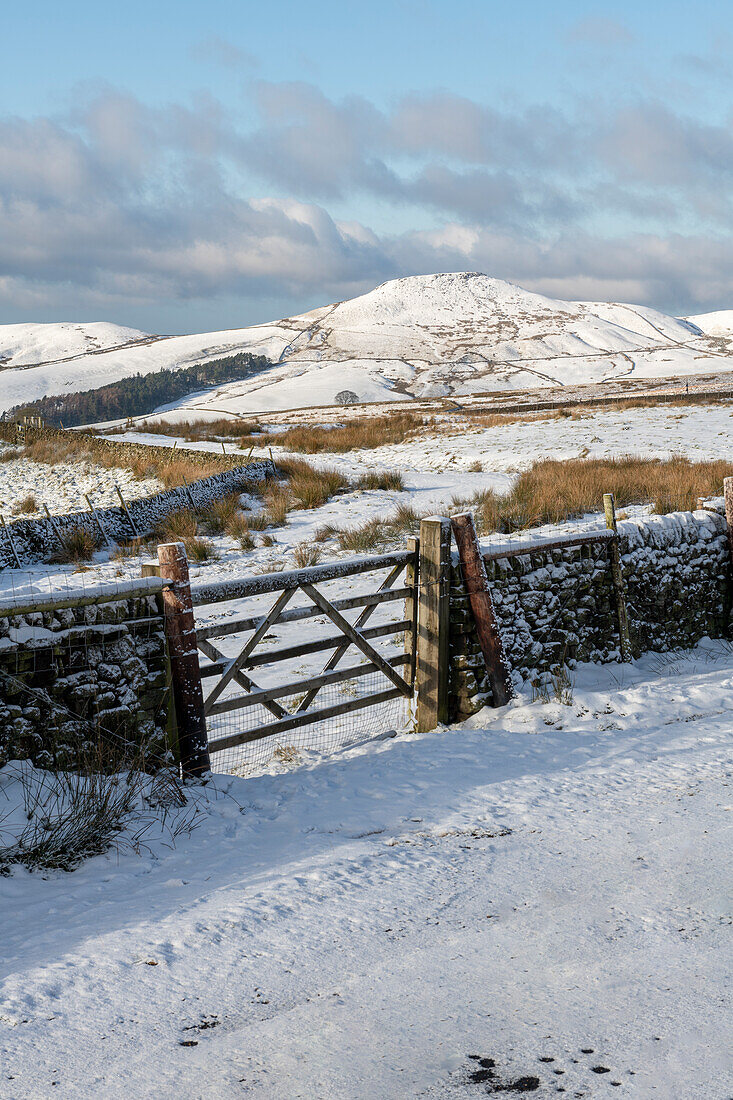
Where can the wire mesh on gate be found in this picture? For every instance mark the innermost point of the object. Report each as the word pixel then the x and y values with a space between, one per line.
pixel 326 736
pixel 318 641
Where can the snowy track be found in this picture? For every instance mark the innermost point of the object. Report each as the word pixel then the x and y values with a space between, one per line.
pixel 551 883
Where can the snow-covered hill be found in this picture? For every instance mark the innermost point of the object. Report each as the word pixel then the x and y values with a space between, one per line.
pixel 424 336
pixel 31 344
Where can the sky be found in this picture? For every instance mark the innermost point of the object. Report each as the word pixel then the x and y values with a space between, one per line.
pixel 183 167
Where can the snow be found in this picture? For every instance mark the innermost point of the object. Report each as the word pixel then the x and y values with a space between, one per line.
pixel 62 486
pixel 545 882
pixel 28 344
pixel 423 336
pixel 718 323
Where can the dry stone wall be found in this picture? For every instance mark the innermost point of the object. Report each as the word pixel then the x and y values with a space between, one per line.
pixel 557 606
pixel 35 540
pixel 75 679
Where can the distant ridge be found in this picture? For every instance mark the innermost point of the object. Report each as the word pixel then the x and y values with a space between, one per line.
pixel 422 336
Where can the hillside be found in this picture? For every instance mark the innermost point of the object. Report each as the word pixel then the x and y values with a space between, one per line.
pixel 30 344
pixel 423 336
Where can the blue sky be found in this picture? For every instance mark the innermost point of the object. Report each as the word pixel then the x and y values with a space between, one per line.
pixel 187 166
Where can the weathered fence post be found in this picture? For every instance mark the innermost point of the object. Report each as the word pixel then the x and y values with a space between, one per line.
pixel 473 571
pixel 130 520
pixel 152 569
pixel 609 506
pixel 728 494
pixel 180 632
pixel 433 623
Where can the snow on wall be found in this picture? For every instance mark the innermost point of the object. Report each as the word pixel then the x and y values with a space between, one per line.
pixel 557 606
pixel 36 539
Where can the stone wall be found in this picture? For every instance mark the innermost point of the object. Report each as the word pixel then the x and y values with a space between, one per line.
pixel 76 677
pixel 557 606
pixel 35 540
pixel 122 450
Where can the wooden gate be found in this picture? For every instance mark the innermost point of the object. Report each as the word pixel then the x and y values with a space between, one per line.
pixel 233 654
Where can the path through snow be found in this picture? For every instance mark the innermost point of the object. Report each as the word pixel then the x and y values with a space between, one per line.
pixel 548 890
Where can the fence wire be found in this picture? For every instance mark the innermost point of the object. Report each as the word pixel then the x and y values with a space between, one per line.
pixel 326 735
pixel 329 735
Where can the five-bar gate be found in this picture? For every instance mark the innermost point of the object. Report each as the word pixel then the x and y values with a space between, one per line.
pixel 262 639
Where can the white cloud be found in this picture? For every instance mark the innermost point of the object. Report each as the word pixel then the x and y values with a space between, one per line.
pixel 123 203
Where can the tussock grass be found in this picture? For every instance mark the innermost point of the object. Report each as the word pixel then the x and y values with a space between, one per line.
pixel 388 480
pixel 362 434
pixel 306 554
pixel 552 491
pixel 176 526
pixel 325 532
pixel 218 515
pixel 555 491
pixel 172 471
pixel 312 488
pixel 199 549
pixel 77 545
pixel 278 502
pixel 371 535
pixel 237 528
pixel 196 431
pixel 257 521
pixel 25 506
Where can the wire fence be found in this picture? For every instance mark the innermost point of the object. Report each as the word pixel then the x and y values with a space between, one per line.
pixel 323 737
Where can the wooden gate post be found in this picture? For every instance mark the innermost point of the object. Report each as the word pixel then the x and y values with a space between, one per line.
pixel 609 506
pixel 433 623
pixel 476 581
pixel 180 631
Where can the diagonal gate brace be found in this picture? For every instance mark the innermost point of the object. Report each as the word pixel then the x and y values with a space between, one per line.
pixel 355 637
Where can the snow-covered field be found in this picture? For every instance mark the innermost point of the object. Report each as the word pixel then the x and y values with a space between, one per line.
pixel 436 467
pixel 547 889
pixel 420 337
pixel 62 486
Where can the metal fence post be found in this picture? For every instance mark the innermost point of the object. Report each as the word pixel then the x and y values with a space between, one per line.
pixel 433 623
pixel 180 632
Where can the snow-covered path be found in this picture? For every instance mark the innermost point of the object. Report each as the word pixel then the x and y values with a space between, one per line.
pixel 552 882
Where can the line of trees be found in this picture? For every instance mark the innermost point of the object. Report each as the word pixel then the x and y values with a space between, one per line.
pixel 140 394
